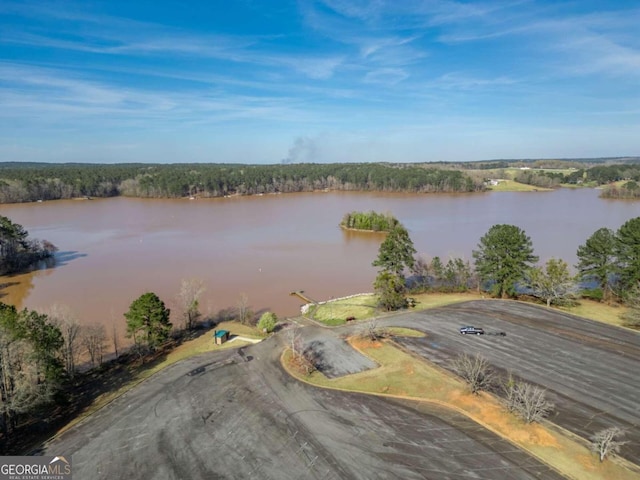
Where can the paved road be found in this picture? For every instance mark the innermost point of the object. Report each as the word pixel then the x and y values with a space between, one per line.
pixel 591 369
pixel 239 415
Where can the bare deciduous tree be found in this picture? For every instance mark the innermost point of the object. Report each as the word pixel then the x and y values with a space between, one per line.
pixel 19 379
pixel 527 401
pixel 29 359
pixel 245 315
pixel 632 300
pixel 294 340
pixel 373 331
pixel 114 338
pixel 553 282
pixel 474 370
pixel 189 301
pixel 606 442
pixel 421 271
pixel 93 339
pixel 304 359
pixel 65 320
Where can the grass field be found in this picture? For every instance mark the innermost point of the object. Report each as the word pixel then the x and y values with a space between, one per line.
pixel 336 312
pixel 405 332
pixel 362 307
pixel 601 312
pixel 513 186
pixel 402 375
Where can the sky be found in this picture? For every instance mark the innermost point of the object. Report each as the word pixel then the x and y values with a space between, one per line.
pixel 271 81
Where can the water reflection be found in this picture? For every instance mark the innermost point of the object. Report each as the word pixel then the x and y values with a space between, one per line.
pixel 16 288
pixel 61 259
pixel 114 250
pixel 5 285
pixel 370 237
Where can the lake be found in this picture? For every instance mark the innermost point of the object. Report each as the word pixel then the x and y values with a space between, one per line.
pixel 113 250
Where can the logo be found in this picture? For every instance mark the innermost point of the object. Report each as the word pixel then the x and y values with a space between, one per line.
pixel 35 468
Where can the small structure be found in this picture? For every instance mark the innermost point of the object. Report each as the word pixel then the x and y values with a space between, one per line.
pixel 220 336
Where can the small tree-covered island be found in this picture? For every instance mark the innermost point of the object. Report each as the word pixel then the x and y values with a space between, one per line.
pixel 369 221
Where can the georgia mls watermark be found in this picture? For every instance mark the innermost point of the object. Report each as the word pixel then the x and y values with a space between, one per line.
pixel 35 468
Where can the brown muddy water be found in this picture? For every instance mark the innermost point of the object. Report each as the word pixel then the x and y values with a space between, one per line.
pixel 113 250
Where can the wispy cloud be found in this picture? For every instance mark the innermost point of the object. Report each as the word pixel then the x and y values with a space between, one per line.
pixel 49 95
pixel 386 76
pixel 111 36
pixel 318 65
pixel 457 80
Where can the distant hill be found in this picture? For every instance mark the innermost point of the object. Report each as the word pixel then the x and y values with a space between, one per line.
pixel 33 181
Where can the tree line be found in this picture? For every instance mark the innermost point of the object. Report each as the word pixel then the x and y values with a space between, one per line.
pixel 17 250
pixel 595 175
pixel 33 182
pixel 506 267
pixel 629 190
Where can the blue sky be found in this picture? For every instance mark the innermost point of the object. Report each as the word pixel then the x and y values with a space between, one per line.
pixel 318 80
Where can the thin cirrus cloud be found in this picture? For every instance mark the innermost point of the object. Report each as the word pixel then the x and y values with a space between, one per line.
pixel 339 71
pixel 52 95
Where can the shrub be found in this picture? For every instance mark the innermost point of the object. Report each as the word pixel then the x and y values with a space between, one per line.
pixel 267 322
pixel 593 294
pixel 475 371
pixel 527 401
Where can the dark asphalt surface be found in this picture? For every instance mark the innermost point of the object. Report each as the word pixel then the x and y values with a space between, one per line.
pixel 591 370
pixel 221 416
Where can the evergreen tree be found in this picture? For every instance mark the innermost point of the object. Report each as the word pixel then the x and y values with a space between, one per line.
pixel 596 259
pixel 504 255
pixel 627 251
pixel 391 291
pixel 438 270
pixel 396 252
pixel 395 255
pixel 148 320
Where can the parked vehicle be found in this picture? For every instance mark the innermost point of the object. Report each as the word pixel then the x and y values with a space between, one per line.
pixel 471 331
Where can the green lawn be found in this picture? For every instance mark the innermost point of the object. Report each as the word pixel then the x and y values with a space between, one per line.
pixel 513 186
pixel 363 307
pixel 336 312
pixel 405 332
pixel 600 312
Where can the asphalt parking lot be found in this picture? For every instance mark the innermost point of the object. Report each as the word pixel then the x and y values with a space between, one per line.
pixel 590 369
pixel 226 415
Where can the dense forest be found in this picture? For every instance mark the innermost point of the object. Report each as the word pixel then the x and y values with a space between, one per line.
pixel 26 182
pixel 33 182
